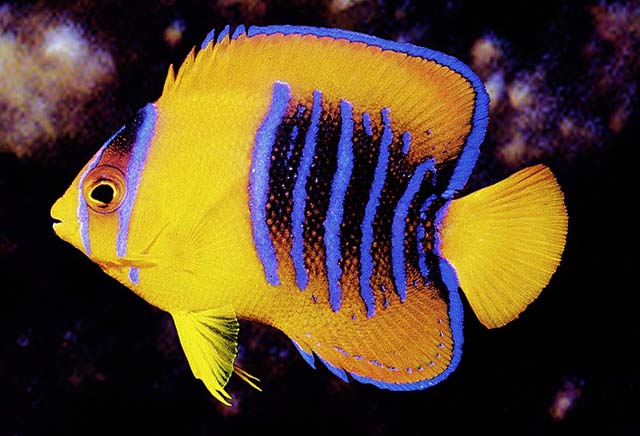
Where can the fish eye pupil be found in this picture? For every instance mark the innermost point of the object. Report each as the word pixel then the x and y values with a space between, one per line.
pixel 103 193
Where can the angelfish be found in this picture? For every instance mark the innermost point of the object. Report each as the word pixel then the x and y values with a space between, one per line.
pixel 306 178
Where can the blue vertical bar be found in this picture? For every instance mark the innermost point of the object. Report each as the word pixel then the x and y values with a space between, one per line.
pixel 398 229
pixel 379 176
pixel 300 193
pixel 259 180
pixel 135 167
pixel 336 204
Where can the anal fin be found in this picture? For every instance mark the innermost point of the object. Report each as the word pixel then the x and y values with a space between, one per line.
pixel 405 346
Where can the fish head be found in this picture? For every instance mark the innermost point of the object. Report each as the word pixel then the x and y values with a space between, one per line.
pixel 86 216
pixel 96 211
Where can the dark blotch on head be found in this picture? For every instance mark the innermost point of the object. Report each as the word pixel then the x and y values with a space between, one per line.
pixel 122 143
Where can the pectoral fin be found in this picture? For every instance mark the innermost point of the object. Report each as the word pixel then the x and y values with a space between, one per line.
pixel 209 339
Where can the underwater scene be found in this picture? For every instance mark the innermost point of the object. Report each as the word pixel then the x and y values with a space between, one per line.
pixel 326 217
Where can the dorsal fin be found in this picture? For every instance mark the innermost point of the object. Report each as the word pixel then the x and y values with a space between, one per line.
pixel 434 97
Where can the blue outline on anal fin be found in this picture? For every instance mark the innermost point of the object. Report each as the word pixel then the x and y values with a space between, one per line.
pixel 338 372
pixel 450 280
pixel 308 357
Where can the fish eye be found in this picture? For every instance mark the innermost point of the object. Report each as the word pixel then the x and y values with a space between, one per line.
pixel 104 188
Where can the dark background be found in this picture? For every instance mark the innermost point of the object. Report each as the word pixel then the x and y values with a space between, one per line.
pixel 81 354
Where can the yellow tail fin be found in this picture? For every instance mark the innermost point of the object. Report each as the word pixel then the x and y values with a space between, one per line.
pixel 505 241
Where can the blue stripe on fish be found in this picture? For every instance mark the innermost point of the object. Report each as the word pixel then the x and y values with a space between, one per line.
pixel 259 180
pixel 338 372
pixel 207 39
pixel 471 148
pixel 366 123
pixel 240 30
pixel 308 357
pixel 223 34
pixel 422 258
pixel 336 203
pixel 134 275
pixel 450 279
pixel 406 142
pixel 300 194
pixel 431 167
pixel 380 174
pixel 398 229
pixel 135 167
pixel 83 208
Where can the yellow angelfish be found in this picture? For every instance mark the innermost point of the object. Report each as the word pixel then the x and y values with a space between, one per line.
pixel 305 178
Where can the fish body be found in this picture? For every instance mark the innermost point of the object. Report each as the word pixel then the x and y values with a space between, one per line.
pixel 306 178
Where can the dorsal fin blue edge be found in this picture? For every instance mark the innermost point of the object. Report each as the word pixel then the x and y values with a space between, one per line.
pixel 223 34
pixel 459 178
pixel 207 39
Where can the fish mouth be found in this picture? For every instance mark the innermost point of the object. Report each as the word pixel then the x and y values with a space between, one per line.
pixel 56 212
pixel 56 222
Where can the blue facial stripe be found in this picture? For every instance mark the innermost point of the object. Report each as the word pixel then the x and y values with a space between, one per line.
pixel 300 193
pixel 222 35
pixel 397 229
pixel 259 180
pixel 336 203
pixel 83 209
pixel 422 259
pixel 406 142
pixel 210 37
pixel 83 219
pixel 479 119
pixel 308 357
pixel 132 177
pixel 380 174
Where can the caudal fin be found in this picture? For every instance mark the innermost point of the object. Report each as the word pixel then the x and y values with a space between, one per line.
pixel 505 241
